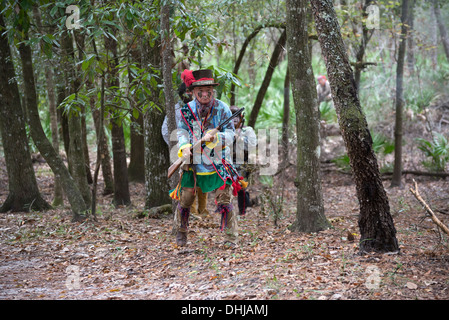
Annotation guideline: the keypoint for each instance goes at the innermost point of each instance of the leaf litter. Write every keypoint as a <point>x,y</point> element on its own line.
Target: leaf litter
<point>43,255</point>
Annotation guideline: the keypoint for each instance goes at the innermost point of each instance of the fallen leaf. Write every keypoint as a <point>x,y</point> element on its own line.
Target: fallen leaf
<point>411,285</point>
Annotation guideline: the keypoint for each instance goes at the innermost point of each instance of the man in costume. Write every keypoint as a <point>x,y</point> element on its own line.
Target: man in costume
<point>323,90</point>
<point>199,206</point>
<point>211,166</point>
<point>244,143</point>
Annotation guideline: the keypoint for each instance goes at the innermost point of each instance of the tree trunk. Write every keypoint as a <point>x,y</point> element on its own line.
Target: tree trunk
<point>23,190</point>
<point>252,70</point>
<point>366,36</point>
<point>121,185</point>
<point>443,32</point>
<point>85,146</point>
<point>375,222</point>
<point>100,136</point>
<point>157,158</point>
<point>310,208</point>
<point>76,157</point>
<point>49,77</point>
<point>102,144</point>
<point>79,40</point>
<point>267,79</point>
<point>397,170</point>
<point>64,122</point>
<point>170,113</point>
<point>156,161</point>
<point>410,39</point>
<point>286,118</point>
<point>433,31</point>
<point>41,141</point>
<point>106,167</point>
<point>136,167</point>
<point>166,64</point>
<point>58,193</point>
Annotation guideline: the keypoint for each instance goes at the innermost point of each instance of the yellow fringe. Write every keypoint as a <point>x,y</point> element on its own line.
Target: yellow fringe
<point>175,194</point>
<point>243,183</point>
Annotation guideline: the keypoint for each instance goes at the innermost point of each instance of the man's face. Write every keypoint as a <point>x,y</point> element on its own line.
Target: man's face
<point>204,94</point>
<point>236,121</point>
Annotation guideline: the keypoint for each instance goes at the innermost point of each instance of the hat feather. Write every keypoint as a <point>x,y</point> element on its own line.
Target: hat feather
<point>187,77</point>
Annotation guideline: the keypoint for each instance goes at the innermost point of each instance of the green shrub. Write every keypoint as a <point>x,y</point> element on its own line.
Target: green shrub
<point>437,150</point>
<point>381,144</point>
<point>327,112</point>
<point>342,162</point>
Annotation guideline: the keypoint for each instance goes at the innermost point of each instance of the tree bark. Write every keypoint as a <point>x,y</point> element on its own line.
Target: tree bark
<point>100,136</point>
<point>99,128</point>
<point>443,32</point>
<point>41,141</point>
<point>79,40</point>
<point>411,39</point>
<point>24,193</point>
<point>366,36</point>
<point>76,157</point>
<point>136,167</point>
<point>85,146</point>
<point>63,120</point>
<point>397,175</point>
<point>310,208</point>
<point>121,184</point>
<point>156,161</point>
<point>58,198</point>
<point>267,79</point>
<point>375,222</point>
<point>157,158</point>
<point>433,32</point>
<point>102,145</point>
<point>58,193</point>
<point>286,118</point>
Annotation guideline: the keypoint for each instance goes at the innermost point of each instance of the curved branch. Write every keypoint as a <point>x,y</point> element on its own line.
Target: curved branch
<point>432,215</point>
<point>243,50</point>
<point>266,81</point>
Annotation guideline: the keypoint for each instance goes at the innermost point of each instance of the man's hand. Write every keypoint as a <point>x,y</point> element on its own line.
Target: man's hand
<point>186,153</point>
<point>208,137</point>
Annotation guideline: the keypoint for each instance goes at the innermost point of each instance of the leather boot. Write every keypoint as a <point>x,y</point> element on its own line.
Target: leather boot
<point>181,237</point>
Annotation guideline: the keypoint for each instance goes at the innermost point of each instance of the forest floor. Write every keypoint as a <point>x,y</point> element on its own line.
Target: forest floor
<point>45,256</point>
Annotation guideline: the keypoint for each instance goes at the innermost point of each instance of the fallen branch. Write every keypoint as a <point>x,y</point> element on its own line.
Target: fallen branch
<point>428,209</point>
<point>422,173</point>
<point>362,65</point>
<point>156,212</point>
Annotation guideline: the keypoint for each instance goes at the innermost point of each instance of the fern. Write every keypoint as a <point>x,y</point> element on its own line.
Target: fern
<point>382,144</point>
<point>437,150</point>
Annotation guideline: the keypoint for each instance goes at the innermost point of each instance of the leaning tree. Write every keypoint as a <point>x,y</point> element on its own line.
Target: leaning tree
<point>375,221</point>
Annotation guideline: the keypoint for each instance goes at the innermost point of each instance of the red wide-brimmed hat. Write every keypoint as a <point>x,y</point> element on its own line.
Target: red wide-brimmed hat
<point>198,78</point>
